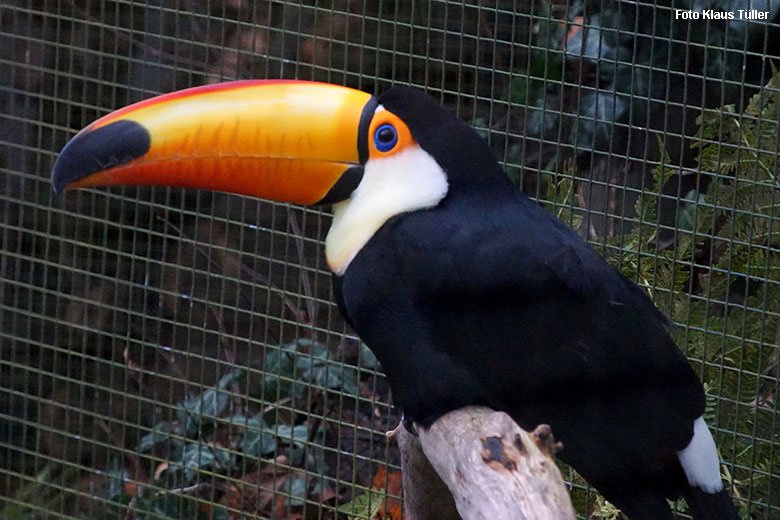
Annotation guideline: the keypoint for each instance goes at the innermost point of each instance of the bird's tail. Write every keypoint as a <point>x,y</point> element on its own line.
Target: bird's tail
<point>710,506</point>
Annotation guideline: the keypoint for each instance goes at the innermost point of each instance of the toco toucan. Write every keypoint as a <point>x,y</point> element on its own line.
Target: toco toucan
<point>466,290</point>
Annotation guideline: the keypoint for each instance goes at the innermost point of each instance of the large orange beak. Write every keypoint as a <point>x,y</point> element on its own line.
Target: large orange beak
<point>290,141</point>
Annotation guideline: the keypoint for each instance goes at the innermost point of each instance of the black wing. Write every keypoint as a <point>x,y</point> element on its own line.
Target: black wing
<point>498,303</point>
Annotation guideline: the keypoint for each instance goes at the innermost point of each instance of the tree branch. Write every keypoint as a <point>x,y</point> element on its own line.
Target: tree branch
<point>479,463</point>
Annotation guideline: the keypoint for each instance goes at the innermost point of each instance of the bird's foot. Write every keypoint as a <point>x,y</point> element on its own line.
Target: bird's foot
<point>409,425</point>
<point>393,434</point>
<point>406,424</point>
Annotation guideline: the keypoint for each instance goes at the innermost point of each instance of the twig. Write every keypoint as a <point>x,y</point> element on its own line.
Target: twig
<point>257,277</point>
<point>497,56</point>
<point>131,505</point>
<point>227,348</point>
<point>230,357</point>
<point>120,33</point>
<point>611,208</point>
<point>305,281</point>
<point>277,404</point>
<point>131,458</point>
<point>186,489</point>
<point>591,231</point>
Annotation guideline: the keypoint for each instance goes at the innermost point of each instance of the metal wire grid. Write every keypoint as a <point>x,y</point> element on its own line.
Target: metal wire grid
<point>121,308</point>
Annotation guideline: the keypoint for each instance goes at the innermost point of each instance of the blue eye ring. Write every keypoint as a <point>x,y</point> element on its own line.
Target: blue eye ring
<point>385,138</point>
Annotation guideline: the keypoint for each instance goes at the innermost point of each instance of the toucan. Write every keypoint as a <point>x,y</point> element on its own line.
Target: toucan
<point>467,291</point>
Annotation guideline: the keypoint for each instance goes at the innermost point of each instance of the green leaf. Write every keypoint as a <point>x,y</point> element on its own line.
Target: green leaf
<point>197,457</point>
<point>237,375</point>
<point>220,513</point>
<point>172,506</point>
<point>162,432</point>
<point>279,373</point>
<point>117,477</point>
<point>720,281</point>
<point>202,409</point>
<point>364,506</point>
<point>257,439</point>
<point>315,459</point>
<point>292,434</point>
<point>291,369</point>
<point>367,359</point>
<point>296,487</point>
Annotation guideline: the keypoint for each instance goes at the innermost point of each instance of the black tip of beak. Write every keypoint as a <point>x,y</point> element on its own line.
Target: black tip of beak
<point>93,151</point>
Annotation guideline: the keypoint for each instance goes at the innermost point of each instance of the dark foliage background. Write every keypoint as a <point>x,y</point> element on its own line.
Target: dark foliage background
<point>175,354</point>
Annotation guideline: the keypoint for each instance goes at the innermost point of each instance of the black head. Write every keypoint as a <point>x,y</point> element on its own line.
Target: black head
<point>457,148</point>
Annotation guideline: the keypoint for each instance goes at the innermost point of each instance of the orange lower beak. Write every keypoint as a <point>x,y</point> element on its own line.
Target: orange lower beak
<point>290,141</point>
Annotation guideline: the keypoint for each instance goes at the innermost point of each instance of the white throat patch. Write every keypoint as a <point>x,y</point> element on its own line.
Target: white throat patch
<point>405,181</point>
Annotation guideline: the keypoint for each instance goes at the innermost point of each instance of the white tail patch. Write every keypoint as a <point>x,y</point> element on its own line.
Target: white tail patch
<point>700,459</point>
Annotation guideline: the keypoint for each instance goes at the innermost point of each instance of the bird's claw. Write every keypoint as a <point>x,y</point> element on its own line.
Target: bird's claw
<point>409,425</point>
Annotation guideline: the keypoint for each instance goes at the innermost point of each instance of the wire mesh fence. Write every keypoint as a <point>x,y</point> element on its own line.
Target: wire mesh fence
<point>176,354</point>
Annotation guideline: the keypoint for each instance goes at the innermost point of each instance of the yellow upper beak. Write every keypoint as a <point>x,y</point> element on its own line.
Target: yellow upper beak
<point>291,141</point>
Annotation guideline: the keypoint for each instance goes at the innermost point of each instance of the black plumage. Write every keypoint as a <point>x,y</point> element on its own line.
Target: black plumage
<point>487,299</point>
<point>466,290</point>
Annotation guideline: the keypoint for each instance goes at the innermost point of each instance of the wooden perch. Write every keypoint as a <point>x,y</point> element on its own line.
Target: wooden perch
<point>479,463</point>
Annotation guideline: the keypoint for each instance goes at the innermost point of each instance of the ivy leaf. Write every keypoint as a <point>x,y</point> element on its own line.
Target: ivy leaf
<point>197,457</point>
<point>293,434</point>
<point>117,477</point>
<point>366,505</point>
<point>171,505</point>
<point>162,432</point>
<point>279,373</point>
<point>258,438</point>
<point>296,487</point>
<point>220,513</point>
<point>289,370</point>
<point>367,359</point>
<point>204,408</point>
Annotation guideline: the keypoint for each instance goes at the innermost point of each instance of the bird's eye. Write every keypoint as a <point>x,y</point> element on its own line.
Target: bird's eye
<point>385,138</point>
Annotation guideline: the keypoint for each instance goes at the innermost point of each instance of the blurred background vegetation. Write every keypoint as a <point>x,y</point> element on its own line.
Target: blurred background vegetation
<point>175,354</point>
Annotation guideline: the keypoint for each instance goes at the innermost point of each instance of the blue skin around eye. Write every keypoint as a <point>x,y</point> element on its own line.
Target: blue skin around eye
<point>385,146</point>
